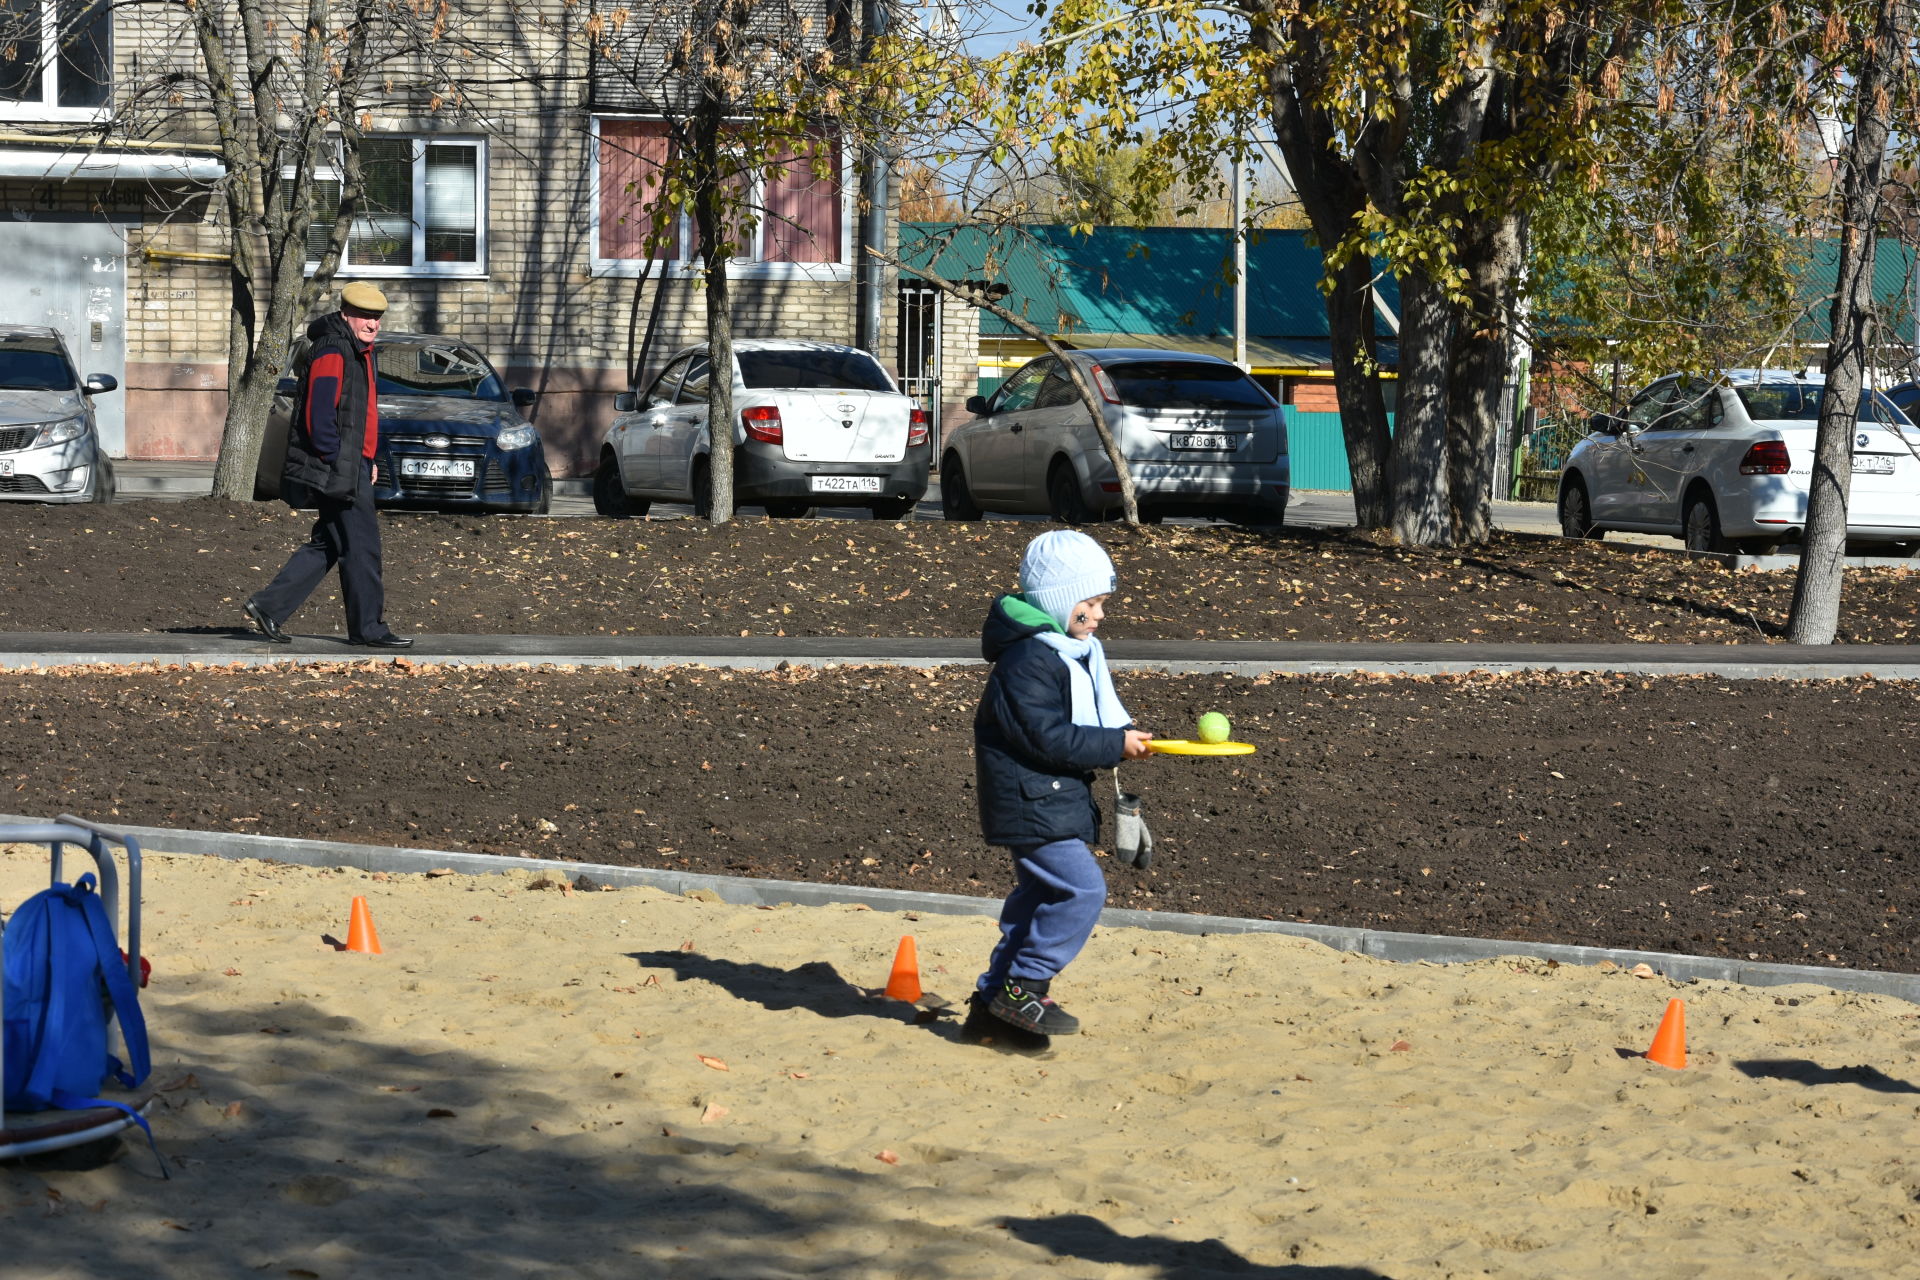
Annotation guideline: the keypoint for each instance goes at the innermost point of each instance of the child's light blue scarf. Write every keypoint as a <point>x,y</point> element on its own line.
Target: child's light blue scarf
<point>1094,699</point>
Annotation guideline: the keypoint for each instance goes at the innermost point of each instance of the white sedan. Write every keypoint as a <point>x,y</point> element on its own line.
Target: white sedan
<point>815,425</point>
<point>1725,465</point>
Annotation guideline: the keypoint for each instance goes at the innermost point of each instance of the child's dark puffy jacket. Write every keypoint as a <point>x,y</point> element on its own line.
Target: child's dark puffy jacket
<point>1034,765</point>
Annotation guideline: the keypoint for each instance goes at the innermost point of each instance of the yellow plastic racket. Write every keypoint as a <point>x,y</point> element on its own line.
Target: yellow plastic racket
<point>1182,747</point>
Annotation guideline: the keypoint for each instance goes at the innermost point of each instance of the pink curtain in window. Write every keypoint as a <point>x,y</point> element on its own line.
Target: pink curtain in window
<point>803,211</point>
<point>633,156</point>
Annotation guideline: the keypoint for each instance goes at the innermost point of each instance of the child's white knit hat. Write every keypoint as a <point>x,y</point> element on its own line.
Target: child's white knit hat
<point>1060,569</point>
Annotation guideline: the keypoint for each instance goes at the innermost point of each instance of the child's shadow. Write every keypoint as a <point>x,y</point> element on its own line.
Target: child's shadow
<point>815,986</point>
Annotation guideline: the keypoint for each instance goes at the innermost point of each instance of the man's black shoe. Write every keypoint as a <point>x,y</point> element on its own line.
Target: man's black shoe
<point>265,625</point>
<point>387,641</point>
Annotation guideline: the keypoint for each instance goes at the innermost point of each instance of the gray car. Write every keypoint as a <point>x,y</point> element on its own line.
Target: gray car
<point>49,447</point>
<point>1200,438</point>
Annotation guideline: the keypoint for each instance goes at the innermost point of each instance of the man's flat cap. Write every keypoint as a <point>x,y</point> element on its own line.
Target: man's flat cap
<point>362,296</point>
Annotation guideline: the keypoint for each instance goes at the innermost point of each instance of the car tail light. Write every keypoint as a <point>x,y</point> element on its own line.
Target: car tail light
<point>918,424</point>
<point>762,423</point>
<point>1104,385</point>
<point>1766,458</point>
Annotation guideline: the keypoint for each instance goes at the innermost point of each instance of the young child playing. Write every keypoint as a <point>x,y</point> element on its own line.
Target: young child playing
<point>1048,718</point>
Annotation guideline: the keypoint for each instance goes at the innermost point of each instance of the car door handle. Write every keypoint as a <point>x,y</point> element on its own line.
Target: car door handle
<point>1016,428</point>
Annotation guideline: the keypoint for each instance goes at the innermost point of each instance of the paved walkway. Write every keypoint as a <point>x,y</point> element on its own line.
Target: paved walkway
<point>217,645</point>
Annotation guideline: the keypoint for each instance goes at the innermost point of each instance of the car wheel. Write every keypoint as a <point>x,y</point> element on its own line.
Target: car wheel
<point>1261,515</point>
<point>610,495</point>
<point>103,483</point>
<point>956,500</point>
<point>892,508</point>
<point>702,490</point>
<point>1150,516</point>
<point>787,508</point>
<point>543,505</point>
<point>1576,513</point>
<point>1063,495</point>
<point>1700,525</point>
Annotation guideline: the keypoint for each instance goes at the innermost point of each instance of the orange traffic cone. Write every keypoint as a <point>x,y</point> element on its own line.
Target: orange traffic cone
<point>904,982</point>
<point>1670,1041</point>
<point>361,936</point>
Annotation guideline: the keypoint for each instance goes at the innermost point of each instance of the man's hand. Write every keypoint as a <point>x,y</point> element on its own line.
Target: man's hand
<point>1137,745</point>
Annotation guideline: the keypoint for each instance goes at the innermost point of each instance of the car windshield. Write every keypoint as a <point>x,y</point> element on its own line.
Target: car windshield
<point>34,364</point>
<point>435,369</point>
<point>1185,384</point>
<point>831,370</point>
<point>1800,401</point>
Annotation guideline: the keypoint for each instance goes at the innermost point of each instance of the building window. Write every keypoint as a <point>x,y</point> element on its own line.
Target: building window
<point>424,212</point>
<point>56,58</point>
<point>797,221</point>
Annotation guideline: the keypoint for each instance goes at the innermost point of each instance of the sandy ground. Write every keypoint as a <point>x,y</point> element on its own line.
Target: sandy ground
<point>539,1082</point>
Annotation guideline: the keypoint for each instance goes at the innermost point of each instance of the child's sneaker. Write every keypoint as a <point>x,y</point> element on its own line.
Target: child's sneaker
<point>1025,1003</point>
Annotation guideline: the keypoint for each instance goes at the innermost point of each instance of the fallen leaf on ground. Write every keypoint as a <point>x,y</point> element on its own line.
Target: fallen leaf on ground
<point>886,1157</point>
<point>715,1063</point>
<point>713,1114</point>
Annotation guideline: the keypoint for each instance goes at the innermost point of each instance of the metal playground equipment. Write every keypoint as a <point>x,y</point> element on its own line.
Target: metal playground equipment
<point>33,1133</point>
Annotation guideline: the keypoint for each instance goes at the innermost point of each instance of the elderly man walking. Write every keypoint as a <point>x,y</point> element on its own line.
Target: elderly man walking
<point>330,449</point>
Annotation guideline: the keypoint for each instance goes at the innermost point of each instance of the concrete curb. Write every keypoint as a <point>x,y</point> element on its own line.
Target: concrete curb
<point>1232,657</point>
<point>1400,948</point>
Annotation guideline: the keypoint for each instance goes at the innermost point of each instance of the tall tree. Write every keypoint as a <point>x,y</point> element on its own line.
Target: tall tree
<point>1882,72</point>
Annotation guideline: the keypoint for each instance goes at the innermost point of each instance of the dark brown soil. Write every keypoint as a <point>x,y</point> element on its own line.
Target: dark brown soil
<point>188,565</point>
<point>1770,820</point>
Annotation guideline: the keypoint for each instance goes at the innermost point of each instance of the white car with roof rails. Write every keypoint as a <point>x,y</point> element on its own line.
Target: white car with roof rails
<point>815,425</point>
<point>1724,465</point>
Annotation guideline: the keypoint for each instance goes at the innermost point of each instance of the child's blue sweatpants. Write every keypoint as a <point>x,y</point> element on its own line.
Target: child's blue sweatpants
<point>1050,914</point>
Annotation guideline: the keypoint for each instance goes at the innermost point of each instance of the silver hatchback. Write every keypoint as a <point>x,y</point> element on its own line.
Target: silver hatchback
<point>1200,438</point>
<point>49,448</point>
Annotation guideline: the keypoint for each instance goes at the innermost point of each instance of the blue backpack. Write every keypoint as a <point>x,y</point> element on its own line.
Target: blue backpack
<point>62,967</point>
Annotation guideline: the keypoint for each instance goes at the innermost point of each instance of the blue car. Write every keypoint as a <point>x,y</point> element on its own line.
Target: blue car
<point>451,437</point>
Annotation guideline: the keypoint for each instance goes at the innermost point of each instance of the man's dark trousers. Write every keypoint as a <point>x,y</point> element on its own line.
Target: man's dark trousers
<point>346,534</point>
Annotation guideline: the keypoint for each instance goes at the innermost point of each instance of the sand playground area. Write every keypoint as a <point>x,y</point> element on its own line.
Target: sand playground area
<point>533,1081</point>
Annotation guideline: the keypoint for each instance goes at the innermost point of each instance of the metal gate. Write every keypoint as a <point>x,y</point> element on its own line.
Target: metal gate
<point>920,313</point>
<point>71,273</point>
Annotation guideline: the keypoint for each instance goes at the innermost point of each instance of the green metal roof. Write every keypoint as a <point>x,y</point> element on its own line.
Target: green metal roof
<point>1893,267</point>
<point>1173,282</point>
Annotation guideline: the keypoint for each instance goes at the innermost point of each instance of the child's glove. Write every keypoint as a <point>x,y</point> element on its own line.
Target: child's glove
<point>1133,843</point>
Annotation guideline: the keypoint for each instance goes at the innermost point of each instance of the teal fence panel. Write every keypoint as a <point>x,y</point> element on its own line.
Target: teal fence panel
<point>1317,451</point>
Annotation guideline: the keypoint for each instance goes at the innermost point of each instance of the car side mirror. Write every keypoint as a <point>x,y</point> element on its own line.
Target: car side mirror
<point>286,386</point>
<point>976,404</point>
<point>523,397</point>
<point>1605,424</point>
<point>625,402</point>
<point>100,382</point>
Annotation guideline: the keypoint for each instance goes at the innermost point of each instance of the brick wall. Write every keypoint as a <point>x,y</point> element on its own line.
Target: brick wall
<point>540,312</point>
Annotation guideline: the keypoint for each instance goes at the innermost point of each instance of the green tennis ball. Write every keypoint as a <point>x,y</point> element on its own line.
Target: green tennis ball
<point>1213,727</point>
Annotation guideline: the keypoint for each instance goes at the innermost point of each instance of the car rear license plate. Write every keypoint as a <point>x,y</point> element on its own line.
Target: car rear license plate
<point>455,468</point>
<point>845,484</point>
<point>1872,464</point>
<point>1220,443</point>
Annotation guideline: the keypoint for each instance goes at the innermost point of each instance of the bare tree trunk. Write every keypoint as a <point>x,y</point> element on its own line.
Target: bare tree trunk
<point>1483,356</point>
<point>1815,616</point>
<point>1417,468</point>
<point>1356,380</point>
<point>709,223</point>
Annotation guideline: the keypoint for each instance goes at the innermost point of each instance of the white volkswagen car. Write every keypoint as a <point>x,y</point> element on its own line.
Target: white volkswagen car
<point>1725,465</point>
<point>815,425</point>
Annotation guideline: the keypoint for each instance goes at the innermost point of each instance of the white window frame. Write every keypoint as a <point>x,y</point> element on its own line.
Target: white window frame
<point>420,267</point>
<point>737,268</point>
<point>45,109</point>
